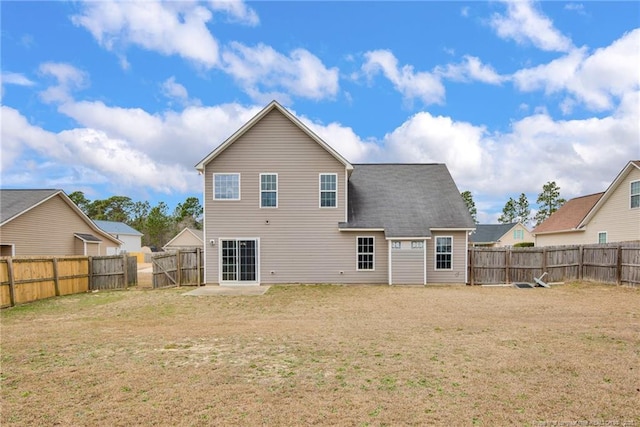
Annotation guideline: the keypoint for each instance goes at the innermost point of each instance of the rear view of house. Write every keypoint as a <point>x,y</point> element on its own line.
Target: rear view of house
<point>282,206</point>
<point>47,222</point>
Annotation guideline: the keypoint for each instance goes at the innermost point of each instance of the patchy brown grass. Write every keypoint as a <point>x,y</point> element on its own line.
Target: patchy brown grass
<point>326,355</point>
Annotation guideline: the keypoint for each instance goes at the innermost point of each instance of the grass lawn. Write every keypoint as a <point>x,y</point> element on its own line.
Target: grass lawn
<point>326,355</point>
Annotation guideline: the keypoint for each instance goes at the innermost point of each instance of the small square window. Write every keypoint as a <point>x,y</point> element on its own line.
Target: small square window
<point>602,237</point>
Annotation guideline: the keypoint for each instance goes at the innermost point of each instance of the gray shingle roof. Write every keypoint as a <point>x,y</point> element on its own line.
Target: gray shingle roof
<point>15,202</point>
<point>407,200</point>
<point>115,227</point>
<point>489,233</point>
<point>87,237</point>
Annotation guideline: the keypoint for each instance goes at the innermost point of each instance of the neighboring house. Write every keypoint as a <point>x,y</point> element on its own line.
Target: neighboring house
<point>188,238</point>
<point>611,216</point>
<point>499,235</point>
<point>48,223</point>
<point>282,206</point>
<point>130,237</point>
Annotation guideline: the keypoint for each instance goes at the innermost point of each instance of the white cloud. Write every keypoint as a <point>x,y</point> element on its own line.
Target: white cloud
<point>470,69</point>
<point>68,78</point>
<point>595,80</point>
<point>261,69</point>
<point>424,138</point>
<point>177,92</point>
<point>412,85</point>
<point>524,24</point>
<point>237,10</point>
<point>171,28</point>
<point>15,79</point>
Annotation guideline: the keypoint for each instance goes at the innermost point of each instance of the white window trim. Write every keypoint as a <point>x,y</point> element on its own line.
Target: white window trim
<point>277,192</point>
<point>606,236</point>
<point>631,194</point>
<point>373,253</point>
<point>239,186</point>
<point>435,253</point>
<point>320,190</point>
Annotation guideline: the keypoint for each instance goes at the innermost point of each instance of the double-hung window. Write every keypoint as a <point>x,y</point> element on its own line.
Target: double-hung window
<point>328,190</point>
<point>444,253</point>
<point>635,194</point>
<point>366,253</point>
<point>268,190</point>
<point>518,234</point>
<point>226,186</point>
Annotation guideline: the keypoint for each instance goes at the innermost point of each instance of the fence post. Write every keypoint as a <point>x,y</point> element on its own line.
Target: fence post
<point>507,264</point>
<point>544,260</point>
<point>580,262</point>
<point>472,260</point>
<point>12,282</point>
<point>619,266</point>
<point>90,272</point>
<point>178,268</point>
<point>56,280</point>
<point>125,270</point>
<point>198,266</point>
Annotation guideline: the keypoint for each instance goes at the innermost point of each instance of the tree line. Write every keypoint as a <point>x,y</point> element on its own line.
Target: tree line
<point>156,223</point>
<point>519,210</point>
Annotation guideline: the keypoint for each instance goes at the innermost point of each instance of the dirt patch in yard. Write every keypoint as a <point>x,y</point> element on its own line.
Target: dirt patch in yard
<point>326,355</point>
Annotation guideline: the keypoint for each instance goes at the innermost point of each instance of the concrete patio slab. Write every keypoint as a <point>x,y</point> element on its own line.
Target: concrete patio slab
<point>228,290</point>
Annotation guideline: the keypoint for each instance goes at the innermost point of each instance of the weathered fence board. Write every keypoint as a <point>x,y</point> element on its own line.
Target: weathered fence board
<point>608,263</point>
<point>183,267</point>
<point>26,279</point>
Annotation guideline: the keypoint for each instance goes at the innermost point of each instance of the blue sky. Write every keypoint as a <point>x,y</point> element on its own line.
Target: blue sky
<point>124,98</point>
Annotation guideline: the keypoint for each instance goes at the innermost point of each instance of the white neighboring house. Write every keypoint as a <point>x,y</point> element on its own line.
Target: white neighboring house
<point>130,237</point>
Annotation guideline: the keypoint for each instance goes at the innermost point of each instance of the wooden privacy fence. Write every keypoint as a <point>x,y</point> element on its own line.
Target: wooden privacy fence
<point>26,279</point>
<point>608,263</point>
<point>183,267</point>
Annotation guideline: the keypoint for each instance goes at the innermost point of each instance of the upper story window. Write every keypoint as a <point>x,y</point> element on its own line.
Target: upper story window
<point>268,190</point>
<point>602,237</point>
<point>444,253</point>
<point>226,186</point>
<point>635,194</point>
<point>518,234</point>
<point>366,253</point>
<point>328,190</point>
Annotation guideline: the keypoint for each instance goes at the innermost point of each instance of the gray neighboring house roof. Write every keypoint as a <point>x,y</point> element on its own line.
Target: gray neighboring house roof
<point>15,202</point>
<point>490,233</point>
<point>115,227</point>
<point>406,200</point>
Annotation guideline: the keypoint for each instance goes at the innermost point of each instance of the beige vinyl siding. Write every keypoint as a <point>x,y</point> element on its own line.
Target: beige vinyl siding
<point>615,216</point>
<point>407,264</point>
<point>185,240</point>
<point>458,272</point>
<point>48,229</point>
<point>508,240</point>
<point>299,241</point>
<point>559,239</point>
